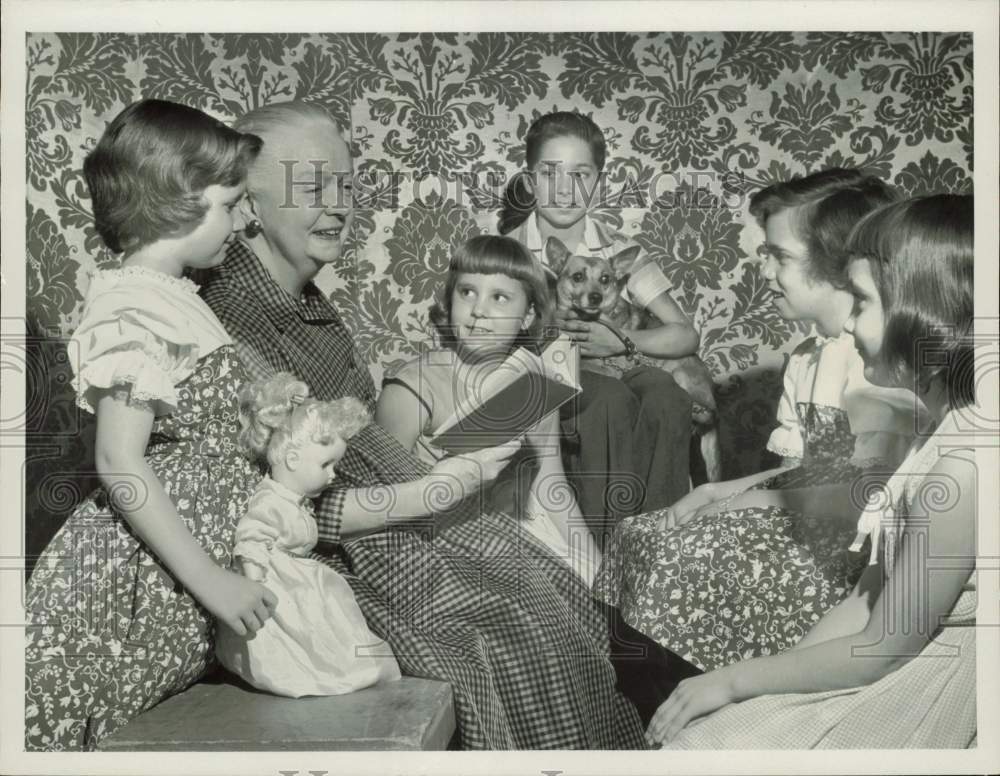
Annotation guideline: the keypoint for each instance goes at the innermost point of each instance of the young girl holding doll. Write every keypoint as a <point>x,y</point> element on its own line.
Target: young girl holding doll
<point>640,424</point>
<point>121,605</point>
<point>894,664</point>
<point>495,299</point>
<point>315,640</point>
<point>746,567</point>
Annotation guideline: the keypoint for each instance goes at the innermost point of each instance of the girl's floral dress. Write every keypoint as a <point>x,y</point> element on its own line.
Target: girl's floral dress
<point>747,582</point>
<point>110,632</point>
<point>929,702</point>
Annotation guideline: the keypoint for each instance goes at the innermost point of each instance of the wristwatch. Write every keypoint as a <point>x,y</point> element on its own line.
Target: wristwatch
<point>630,349</point>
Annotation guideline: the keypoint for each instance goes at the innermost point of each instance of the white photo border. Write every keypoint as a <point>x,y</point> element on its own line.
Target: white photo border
<point>20,17</point>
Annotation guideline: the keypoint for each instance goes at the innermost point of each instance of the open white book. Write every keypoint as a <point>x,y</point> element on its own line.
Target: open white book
<point>513,398</point>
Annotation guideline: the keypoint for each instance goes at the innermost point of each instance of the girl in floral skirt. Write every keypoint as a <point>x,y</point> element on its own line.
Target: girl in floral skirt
<point>746,567</point>
<point>120,606</point>
<point>894,664</point>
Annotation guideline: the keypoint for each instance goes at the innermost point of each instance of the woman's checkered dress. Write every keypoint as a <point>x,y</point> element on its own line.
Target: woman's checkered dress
<point>467,596</point>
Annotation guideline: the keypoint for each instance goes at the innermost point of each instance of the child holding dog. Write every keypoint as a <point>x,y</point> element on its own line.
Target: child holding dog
<point>627,438</point>
<point>494,300</point>
<point>764,557</point>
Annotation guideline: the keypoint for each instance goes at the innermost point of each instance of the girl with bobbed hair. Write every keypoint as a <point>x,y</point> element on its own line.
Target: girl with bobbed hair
<point>159,371</point>
<point>894,664</point>
<point>922,290</point>
<point>148,172</point>
<point>746,567</point>
<point>492,255</point>
<point>317,641</point>
<point>494,300</point>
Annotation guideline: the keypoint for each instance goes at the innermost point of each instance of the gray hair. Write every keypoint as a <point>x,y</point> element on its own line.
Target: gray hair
<point>268,121</point>
<point>267,118</point>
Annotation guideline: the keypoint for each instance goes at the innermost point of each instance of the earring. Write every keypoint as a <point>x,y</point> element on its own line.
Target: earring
<point>253,228</point>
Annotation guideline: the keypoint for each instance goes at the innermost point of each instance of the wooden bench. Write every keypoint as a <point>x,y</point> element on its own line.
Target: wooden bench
<point>221,714</point>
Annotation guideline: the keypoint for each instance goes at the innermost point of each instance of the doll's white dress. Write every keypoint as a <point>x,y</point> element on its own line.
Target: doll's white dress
<point>317,641</point>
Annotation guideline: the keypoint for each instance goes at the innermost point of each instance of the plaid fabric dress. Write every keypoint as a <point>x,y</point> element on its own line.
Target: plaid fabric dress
<point>464,596</point>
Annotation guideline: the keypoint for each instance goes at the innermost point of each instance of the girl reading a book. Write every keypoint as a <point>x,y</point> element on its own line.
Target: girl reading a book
<point>494,300</point>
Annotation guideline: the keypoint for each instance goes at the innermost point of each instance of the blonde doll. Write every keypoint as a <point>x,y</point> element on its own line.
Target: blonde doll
<point>317,642</point>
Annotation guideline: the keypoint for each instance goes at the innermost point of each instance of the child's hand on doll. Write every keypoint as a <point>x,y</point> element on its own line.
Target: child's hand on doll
<point>459,476</point>
<point>240,603</point>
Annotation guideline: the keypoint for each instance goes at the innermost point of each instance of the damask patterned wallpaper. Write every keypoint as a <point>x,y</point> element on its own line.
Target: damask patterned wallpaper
<point>695,123</point>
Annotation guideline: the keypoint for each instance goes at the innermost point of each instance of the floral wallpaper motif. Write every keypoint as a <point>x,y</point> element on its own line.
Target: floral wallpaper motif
<point>695,123</point>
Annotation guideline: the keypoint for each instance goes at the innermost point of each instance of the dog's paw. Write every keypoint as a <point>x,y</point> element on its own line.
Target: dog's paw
<point>702,415</point>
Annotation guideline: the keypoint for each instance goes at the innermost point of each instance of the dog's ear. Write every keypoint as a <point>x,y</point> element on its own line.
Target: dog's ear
<point>622,261</point>
<point>556,253</point>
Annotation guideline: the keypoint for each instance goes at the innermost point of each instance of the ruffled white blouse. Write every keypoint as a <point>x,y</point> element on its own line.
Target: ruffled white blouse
<point>829,372</point>
<point>141,328</point>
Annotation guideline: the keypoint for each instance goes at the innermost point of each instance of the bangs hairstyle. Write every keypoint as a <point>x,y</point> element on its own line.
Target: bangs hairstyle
<point>921,257</point>
<point>149,171</point>
<point>828,205</point>
<point>269,121</point>
<point>277,415</point>
<point>519,200</point>
<point>487,254</point>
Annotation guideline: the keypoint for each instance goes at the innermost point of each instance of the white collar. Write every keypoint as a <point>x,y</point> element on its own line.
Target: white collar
<point>592,236</point>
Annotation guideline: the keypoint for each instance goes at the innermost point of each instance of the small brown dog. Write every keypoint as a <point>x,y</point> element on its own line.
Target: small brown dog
<point>590,287</point>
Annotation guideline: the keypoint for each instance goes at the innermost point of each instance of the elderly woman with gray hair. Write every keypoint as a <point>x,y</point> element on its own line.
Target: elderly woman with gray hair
<point>458,591</point>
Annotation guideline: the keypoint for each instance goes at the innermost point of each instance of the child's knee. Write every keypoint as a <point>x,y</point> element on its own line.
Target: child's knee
<point>658,390</point>
<point>610,396</point>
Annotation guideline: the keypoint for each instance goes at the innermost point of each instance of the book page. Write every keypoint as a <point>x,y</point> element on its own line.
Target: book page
<point>561,360</point>
<point>518,363</point>
<point>522,391</point>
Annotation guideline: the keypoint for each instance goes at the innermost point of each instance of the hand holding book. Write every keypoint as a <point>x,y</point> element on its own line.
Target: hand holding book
<point>517,395</point>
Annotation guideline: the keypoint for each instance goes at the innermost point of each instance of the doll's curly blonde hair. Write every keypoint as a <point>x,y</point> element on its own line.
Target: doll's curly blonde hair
<point>276,414</point>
